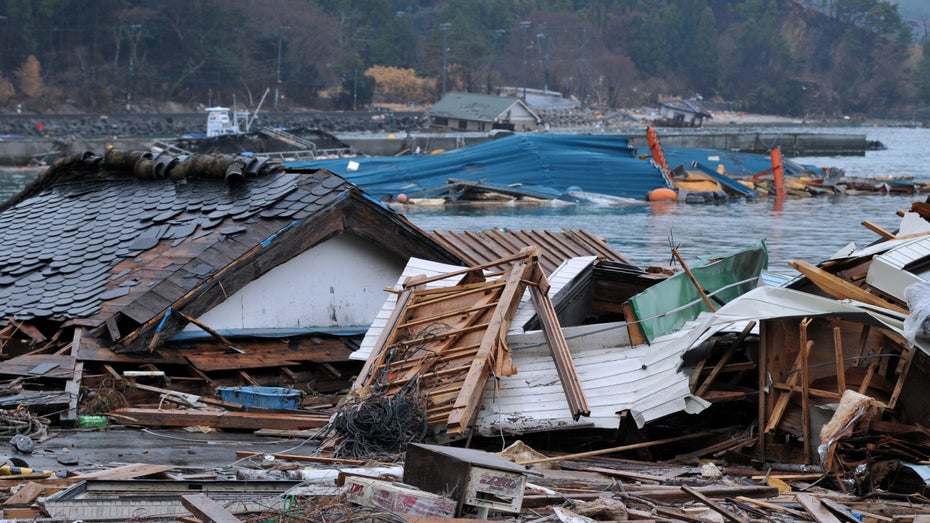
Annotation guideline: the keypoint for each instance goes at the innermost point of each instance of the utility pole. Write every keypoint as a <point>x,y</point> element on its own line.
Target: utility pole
<point>584,57</point>
<point>499,51</point>
<point>2,18</point>
<point>544,56</point>
<point>525,25</point>
<point>277,74</point>
<point>134,31</point>
<point>444,27</point>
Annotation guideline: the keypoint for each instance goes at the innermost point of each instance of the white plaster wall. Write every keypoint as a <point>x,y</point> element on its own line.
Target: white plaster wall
<point>337,283</point>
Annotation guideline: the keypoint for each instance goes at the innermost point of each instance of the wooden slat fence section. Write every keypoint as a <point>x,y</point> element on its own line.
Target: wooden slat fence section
<point>491,356</point>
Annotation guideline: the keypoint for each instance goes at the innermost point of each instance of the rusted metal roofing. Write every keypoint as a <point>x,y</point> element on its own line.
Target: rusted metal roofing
<point>476,248</point>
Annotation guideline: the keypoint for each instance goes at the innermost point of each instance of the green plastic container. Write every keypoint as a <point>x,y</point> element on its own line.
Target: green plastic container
<point>92,422</point>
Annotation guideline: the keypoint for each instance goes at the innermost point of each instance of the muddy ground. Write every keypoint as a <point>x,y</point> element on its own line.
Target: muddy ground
<point>77,451</point>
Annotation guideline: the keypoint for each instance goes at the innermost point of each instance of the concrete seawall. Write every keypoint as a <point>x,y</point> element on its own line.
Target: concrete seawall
<point>792,143</point>
<point>25,151</point>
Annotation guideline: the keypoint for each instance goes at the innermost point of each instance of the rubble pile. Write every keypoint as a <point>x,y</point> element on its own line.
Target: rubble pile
<point>498,375</point>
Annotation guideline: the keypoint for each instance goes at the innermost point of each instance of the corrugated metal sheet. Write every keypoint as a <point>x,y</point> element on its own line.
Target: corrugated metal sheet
<point>645,380</point>
<point>888,272</point>
<point>777,302</point>
<point>477,248</point>
<point>544,163</point>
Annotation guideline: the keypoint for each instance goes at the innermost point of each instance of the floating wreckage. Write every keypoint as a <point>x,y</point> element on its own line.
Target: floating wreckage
<point>535,169</point>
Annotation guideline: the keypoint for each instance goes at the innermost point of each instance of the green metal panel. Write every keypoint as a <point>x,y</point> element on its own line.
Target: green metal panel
<point>666,306</point>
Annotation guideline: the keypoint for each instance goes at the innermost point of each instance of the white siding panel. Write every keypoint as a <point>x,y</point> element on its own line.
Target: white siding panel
<point>886,272</point>
<point>313,289</point>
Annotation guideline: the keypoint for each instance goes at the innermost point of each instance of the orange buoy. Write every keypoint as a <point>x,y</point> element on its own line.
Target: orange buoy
<point>402,198</point>
<point>662,194</point>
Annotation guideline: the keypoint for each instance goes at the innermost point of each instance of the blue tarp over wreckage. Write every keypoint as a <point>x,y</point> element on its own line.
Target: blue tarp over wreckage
<point>542,166</point>
<point>546,166</point>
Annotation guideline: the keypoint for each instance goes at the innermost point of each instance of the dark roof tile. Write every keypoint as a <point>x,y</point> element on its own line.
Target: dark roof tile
<point>115,293</point>
<point>59,243</point>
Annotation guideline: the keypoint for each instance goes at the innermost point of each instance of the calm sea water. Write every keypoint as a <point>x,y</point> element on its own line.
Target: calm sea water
<point>809,228</point>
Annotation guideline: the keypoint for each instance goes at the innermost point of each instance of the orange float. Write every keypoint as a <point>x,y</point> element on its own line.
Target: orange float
<point>662,194</point>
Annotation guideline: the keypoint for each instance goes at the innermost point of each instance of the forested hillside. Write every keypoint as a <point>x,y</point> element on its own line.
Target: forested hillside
<point>805,58</point>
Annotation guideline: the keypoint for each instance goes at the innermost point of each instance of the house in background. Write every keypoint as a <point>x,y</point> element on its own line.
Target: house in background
<point>682,113</point>
<point>482,112</point>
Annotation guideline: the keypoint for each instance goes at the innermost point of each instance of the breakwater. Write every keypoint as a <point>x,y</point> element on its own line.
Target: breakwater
<point>32,139</point>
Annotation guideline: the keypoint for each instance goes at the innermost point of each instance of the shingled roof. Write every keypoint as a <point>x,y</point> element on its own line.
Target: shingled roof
<point>121,240</point>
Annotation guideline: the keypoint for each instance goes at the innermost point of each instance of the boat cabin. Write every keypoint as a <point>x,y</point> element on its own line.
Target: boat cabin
<point>221,120</point>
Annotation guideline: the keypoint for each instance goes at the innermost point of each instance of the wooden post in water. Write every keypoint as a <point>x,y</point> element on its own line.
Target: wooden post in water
<point>778,169</point>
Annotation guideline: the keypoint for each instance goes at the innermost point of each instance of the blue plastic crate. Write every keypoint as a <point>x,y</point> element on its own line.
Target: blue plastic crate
<point>262,397</point>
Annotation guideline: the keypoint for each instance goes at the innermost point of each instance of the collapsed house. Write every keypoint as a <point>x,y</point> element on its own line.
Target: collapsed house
<point>488,353</point>
<point>201,271</point>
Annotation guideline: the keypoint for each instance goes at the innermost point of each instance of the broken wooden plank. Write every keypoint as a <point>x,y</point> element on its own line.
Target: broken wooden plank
<point>637,336</point>
<point>840,364</point>
<point>782,402</point>
<point>298,457</point>
<point>130,471</point>
<point>628,474</point>
<point>805,391</point>
<point>772,506</point>
<point>558,347</point>
<point>26,495</point>
<point>58,366</point>
<point>722,364</point>
<point>676,495</point>
<point>694,281</point>
<point>218,419</point>
<point>840,288</point>
<point>886,235</point>
<point>613,450</point>
<point>73,390</point>
<point>378,354</point>
<point>815,509</point>
<point>207,510</point>
<point>206,328</point>
<point>840,511</point>
<point>716,507</point>
<point>29,330</point>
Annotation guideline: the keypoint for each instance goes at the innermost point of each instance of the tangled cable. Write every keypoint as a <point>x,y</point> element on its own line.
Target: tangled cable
<point>21,421</point>
<point>380,425</point>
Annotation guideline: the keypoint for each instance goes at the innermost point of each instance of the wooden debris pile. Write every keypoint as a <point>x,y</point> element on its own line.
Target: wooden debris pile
<point>431,366</point>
